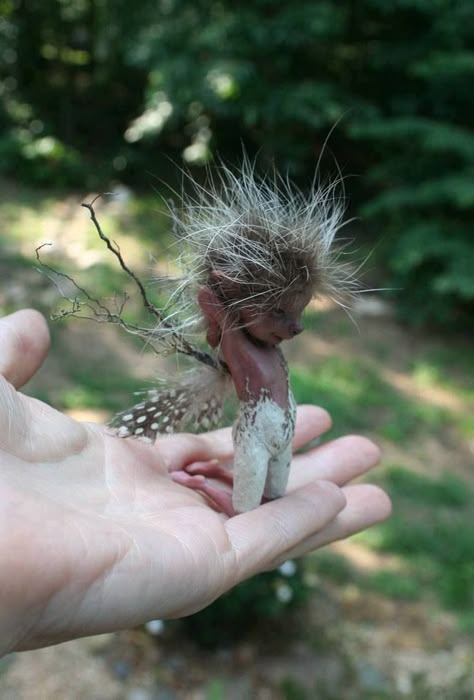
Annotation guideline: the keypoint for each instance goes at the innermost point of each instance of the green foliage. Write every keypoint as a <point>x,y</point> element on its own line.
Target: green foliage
<point>92,90</point>
<point>279,77</point>
<point>40,160</point>
<point>65,92</point>
<point>394,585</point>
<point>400,585</point>
<point>215,691</point>
<point>247,607</point>
<point>333,566</point>
<point>109,390</point>
<point>292,689</point>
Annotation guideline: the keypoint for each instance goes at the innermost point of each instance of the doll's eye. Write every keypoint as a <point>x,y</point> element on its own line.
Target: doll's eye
<point>279,313</point>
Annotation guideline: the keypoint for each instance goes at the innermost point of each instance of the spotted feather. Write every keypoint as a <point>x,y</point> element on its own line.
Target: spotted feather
<point>195,403</point>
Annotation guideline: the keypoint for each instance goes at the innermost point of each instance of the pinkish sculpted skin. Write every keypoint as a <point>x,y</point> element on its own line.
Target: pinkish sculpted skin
<point>255,251</point>
<point>248,343</point>
<point>255,364</point>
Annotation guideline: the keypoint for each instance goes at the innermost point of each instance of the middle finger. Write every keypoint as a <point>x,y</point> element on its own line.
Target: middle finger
<point>339,461</point>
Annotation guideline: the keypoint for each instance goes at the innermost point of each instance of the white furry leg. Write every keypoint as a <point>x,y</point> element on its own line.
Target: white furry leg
<point>262,441</point>
<point>250,473</point>
<point>278,473</point>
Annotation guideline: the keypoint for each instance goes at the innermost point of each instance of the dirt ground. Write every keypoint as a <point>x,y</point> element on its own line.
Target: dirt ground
<point>371,647</point>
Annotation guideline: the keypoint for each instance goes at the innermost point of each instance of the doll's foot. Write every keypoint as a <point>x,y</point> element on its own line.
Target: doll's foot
<point>211,469</point>
<point>196,476</point>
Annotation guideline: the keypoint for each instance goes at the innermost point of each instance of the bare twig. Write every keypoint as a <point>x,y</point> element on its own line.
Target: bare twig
<point>76,302</point>
<point>102,314</point>
<point>114,248</point>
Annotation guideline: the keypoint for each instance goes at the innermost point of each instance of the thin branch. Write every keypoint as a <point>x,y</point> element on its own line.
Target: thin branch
<point>114,248</point>
<point>83,291</point>
<point>165,334</point>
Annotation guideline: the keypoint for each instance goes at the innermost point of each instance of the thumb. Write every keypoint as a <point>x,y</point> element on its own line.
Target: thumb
<point>24,342</point>
<point>261,537</point>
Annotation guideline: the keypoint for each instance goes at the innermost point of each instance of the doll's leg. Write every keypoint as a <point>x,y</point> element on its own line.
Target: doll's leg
<point>250,472</point>
<point>278,473</point>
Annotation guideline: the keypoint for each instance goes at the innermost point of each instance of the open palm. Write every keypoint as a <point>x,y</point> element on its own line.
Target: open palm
<point>96,536</point>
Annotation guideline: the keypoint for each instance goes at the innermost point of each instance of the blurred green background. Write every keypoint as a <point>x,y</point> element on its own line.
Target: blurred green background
<point>101,96</point>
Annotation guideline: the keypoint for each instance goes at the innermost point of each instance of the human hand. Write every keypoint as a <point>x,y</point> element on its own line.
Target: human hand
<point>95,535</point>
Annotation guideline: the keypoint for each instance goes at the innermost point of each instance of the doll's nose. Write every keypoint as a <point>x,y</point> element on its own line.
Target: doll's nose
<point>296,328</point>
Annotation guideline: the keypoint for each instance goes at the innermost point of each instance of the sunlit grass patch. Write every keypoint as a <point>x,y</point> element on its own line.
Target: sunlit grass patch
<point>450,367</point>
<point>31,218</point>
<point>22,210</point>
<point>435,536</point>
<point>431,535</point>
<point>442,553</point>
<point>215,690</point>
<point>392,584</point>
<point>446,490</point>
<point>358,399</point>
<point>100,281</point>
<point>400,585</point>
<point>331,565</point>
<point>319,322</point>
<point>148,219</point>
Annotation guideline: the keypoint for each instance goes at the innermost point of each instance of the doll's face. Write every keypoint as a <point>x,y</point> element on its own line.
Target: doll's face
<point>281,322</point>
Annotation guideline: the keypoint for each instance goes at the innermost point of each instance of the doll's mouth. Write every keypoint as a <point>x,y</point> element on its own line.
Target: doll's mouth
<point>270,341</point>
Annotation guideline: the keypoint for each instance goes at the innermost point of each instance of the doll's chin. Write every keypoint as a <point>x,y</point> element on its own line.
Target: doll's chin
<point>271,339</point>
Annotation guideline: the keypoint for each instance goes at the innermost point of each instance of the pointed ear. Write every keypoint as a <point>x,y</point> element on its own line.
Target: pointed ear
<point>210,305</point>
<point>224,286</point>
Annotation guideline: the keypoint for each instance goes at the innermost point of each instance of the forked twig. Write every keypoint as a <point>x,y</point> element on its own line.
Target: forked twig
<point>101,313</point>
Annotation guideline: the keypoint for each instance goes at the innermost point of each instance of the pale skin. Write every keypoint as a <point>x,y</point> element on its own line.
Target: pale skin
<point>95,536</point>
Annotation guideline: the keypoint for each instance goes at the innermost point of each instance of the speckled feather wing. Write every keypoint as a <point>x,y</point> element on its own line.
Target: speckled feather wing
<point>195,404</point>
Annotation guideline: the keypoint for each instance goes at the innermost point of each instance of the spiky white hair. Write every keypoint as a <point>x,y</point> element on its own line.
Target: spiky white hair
<point>264,236</point>
<point>261,238</point>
